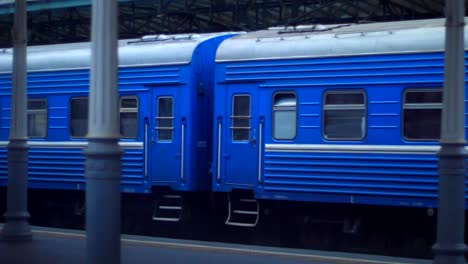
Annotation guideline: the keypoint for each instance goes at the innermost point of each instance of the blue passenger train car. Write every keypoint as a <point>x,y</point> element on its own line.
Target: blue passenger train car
<point>346,113</point>
<point>165,85</point>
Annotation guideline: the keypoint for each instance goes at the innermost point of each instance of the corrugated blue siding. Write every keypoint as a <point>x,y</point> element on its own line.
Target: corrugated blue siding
<point>376,69</point>
<point>383,77</point>
<point>63,168</point>
<point>73,81</point>
<point>58,168</point>
<point>393,178</point>
<point>375,178</point>
<point>56,165</point>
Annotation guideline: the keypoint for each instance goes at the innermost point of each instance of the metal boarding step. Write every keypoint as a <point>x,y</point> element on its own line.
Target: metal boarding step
<point>243,212</point>
<point>168,208</point>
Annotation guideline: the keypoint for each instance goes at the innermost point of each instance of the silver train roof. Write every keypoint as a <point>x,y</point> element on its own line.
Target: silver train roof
<point>149,50</point>
<point>336,40</point>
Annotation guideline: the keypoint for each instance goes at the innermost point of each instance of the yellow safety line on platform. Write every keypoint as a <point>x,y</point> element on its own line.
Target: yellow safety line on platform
<point>335,260</point>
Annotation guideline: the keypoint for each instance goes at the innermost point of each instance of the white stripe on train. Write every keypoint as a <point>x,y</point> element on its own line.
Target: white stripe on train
<point>72,144</point>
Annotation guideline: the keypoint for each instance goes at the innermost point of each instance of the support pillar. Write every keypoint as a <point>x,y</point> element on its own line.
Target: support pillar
<point>450,247</point>
<point>103,165</point>
<point>16,218</point>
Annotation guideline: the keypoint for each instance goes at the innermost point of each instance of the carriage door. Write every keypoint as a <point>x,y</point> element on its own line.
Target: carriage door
<point>242,138</point>
<point>166,141</point>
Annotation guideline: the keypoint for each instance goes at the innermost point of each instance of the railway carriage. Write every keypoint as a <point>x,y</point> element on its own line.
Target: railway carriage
<point>346,113</point>
<point>327,115</point>
<point>165,86</point>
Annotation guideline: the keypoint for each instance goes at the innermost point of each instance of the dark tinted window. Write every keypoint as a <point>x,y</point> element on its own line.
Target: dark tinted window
<point>241,117</point>
<point>129,117</point>
<point>344,115</point>
<point>37,118</point>
<point>415,97</point>
<point>422,114</point>
<point>37,104</point>
<point>79,117</point>
<point>165,118</point>
<point>333,98</point>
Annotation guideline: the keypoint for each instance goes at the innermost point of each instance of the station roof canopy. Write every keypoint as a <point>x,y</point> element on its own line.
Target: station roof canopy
<point>7,6</point>
<point>59,21</point>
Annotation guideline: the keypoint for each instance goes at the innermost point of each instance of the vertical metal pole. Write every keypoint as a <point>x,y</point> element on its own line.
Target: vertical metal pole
<point>450,246</point>
<point>17,226</point>
<point>103,165</point>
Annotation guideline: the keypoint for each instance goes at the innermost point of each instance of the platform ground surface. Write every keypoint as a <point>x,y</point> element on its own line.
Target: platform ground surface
<point>68,246</point>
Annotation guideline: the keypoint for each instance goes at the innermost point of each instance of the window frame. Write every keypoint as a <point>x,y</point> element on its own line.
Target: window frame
<point>402,115</point>
<point>354,107</point>
<point>172,118</point>
<point>249,117</point>
<point>273,114</point>
<point>46,110</point>
<point>136,110</point>
<point>70,116</point>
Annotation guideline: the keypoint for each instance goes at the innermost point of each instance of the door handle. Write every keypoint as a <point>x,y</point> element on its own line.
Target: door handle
<point>182,150</point>
<point>261,122</point>
<point>253,141</point>
<point>145,146</point>
<point>218,160</point>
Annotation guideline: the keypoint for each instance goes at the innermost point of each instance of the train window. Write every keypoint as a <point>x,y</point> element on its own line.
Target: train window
<point>165,118</point>
<point>422,113</point>
<point>129,117</point>
<point>284,116</point>
<point>79,117</point>
<point>241,118</point>
<point>37,118</point>
<point>344,115</point>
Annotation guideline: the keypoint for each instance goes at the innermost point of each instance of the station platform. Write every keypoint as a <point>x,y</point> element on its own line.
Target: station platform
<point>50,245</point>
